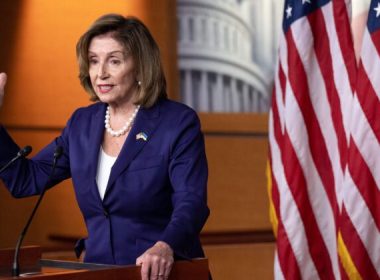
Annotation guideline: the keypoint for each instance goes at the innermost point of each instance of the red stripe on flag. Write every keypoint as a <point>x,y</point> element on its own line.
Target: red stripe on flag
<point>345,39</point>
<point>364,181</point>
<point>286,256</point>
<point>323,53</point>
<point>298,81</point>
<point>369,101</point>
<point>356,248</point>
<point>375,36</point>
<point>282,79</point>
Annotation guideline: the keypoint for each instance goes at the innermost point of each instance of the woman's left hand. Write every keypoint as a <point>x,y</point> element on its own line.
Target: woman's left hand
<point>156,263</point>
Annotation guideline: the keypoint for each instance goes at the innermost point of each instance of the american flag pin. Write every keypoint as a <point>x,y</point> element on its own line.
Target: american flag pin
<point>142,135</point>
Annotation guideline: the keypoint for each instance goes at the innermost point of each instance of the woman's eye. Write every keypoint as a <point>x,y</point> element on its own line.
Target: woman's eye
<point>93,61</point>
<point>115,61</point>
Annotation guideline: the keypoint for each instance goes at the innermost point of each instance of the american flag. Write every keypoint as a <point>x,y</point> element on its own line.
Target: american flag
<point>359,234</point>
<point>308,136</point>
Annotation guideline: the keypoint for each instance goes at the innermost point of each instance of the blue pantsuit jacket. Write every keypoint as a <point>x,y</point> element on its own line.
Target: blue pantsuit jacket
<point>156,190</point>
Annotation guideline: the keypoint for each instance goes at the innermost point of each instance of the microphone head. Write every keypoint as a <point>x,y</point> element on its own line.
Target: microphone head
<point>24,151</point>
<point>58,152</point>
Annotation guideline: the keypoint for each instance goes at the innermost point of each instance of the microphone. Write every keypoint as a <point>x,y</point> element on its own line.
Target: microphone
<point>21,154</point>
<point>16,267</point>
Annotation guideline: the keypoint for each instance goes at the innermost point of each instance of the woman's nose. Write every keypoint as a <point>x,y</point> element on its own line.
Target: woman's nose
<point>102,71</point>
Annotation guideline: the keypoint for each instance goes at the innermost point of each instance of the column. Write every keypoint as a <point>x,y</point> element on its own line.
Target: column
<point>191,23</point>
<point>217,95</point>
<point>246,100</point>
<point>263,103</point>
<point>210,32</point>
<point>203,93</point>
<point>198,30</point>
<point>185,29</point>
<point>204,32</point>
<point>226,38</point>
<point>235,96</point>
<point>216,34</point>
<point>227,94</point>
<point>234,41</point>
<point>188,89</point>
<point>255,101</point>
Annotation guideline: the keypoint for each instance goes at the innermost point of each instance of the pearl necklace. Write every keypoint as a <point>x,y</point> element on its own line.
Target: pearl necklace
<point>125,128</point>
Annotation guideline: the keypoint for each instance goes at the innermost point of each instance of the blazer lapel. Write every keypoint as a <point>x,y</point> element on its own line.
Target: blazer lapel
<point>145,124</point>
<point>97,134</point>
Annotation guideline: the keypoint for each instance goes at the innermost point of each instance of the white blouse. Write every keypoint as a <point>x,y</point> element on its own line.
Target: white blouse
<point>105,164</point>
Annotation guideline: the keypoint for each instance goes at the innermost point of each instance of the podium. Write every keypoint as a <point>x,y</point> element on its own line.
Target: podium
<point>32,266</point>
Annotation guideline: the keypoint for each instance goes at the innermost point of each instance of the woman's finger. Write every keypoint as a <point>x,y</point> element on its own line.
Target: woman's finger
<point>145,270</point>
<point>156,271</point>
<point>167,269</point>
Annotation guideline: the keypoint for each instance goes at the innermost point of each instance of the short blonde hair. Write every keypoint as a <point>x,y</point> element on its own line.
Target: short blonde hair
<point>137,40</point>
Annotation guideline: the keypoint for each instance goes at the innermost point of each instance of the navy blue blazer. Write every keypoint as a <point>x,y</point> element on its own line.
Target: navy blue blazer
<point>157,188</point>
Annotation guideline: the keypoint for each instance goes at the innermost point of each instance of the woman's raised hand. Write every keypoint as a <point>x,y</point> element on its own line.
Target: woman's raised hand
<point>3,81</point>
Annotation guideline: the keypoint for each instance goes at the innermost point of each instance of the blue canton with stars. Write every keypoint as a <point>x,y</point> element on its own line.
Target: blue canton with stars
<point>295,9</point>
<point>373,22</point>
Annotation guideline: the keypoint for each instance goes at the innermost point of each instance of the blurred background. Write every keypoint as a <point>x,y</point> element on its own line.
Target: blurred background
<point>227,53</point>
<point>219,58</point>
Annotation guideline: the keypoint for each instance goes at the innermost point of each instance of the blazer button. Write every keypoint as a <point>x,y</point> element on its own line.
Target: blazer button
<point>105,212</point>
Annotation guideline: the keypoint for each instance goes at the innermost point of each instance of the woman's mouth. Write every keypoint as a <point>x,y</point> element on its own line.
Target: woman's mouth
<point>105,88</point>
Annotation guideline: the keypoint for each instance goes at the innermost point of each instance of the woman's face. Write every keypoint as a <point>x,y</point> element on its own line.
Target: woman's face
<point>112,70</point>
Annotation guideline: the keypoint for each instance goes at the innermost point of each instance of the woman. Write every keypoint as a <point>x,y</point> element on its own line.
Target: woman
<point>137,159</point>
